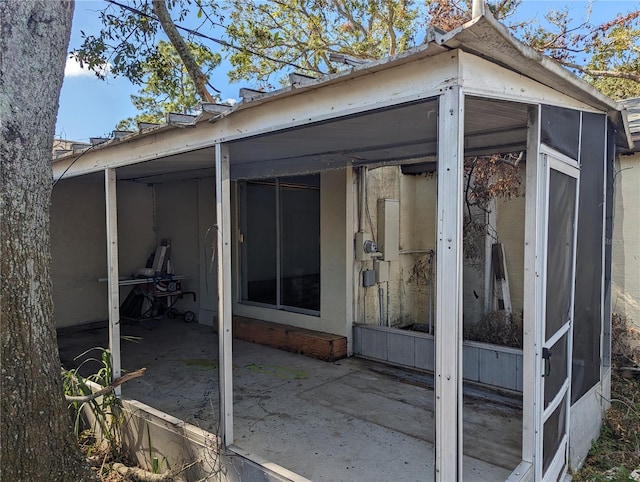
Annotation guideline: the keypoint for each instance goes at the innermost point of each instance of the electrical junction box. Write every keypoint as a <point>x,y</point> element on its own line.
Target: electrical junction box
<point>381,269</point>
<point>389,228</point>
<point>368,278</point>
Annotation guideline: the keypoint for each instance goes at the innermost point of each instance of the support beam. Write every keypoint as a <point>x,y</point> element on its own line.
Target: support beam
<point>533,289</point>
<point>448,334</point>
<point>223,220</point>
<point>112,272</point>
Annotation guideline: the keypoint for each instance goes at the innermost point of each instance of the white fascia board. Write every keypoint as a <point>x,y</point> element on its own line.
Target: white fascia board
<point>422,78</point>
<point>486,37</point>
<point>481,78</point>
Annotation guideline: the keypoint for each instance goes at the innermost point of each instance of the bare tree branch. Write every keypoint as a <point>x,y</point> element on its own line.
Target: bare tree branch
<point>107,389</point>
<point>603,73</point>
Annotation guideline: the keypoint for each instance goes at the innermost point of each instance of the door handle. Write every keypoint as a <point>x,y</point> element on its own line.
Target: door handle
<point>546,356</point>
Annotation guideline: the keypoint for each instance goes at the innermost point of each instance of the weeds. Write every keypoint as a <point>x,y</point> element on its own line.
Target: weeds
<point>497,327</point>
<point>616,453</point>
<point>105,413</point>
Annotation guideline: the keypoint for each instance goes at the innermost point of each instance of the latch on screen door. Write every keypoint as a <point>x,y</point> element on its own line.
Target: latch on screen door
<point>546,356</point>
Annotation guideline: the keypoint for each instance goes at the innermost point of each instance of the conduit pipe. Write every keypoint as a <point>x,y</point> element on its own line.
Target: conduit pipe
<point>362,190</point>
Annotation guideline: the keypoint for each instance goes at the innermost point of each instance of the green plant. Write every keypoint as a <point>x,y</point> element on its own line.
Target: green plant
<point>95,420</point>
<point>156,464</point>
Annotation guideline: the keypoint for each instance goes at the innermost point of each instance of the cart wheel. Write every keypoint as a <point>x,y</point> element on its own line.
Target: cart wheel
<point>171,314</point>
<point>189,316</point>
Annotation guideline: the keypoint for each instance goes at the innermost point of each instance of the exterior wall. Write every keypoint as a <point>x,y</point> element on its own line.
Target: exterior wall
<point>408,287</point>
<point>407,292</point>
<point>79,245</point>
<point>510,227</point>
<point>625,275</point>
<point>78,251</point>
<point>207,238</point>
<point>336,245</point>
<point>177,219</point>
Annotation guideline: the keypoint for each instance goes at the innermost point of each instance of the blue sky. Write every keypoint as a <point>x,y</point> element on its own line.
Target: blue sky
<point>90,107</point>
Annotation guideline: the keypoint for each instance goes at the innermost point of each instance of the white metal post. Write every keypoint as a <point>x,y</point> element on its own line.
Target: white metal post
<point>223,220</point>
<point>533,289</point>
<point>112,272</point>
<point>448,331</point>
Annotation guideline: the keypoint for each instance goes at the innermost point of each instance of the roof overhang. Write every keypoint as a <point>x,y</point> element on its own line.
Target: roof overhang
<point>377,112</point>
<point>486,37</point>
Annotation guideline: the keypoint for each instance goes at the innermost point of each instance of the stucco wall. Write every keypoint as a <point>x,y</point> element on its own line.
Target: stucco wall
<point>79,246</point>
<point>510,229</point>
<point>625,274</point>
<point>408,298</point>
<point>177,220</point>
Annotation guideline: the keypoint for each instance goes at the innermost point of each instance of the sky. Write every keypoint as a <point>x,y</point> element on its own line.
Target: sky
<point>90,107</point>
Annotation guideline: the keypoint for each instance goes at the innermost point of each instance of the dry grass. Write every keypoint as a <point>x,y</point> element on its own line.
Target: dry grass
<point>617,452</point>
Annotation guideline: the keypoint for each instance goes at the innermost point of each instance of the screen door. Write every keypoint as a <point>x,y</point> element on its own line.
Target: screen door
<point>557,330</point>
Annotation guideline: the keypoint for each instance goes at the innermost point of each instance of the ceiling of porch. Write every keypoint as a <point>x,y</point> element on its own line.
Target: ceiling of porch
<point>402,134</point>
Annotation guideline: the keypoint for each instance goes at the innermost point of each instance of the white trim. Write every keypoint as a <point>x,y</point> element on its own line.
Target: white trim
<point>553,160</point>
<point>522,473</point>
<point>557,400</point>
<point>223,219</point>
<point>561,161</point>
<point>559,334</point>
<point>111,203</point>
<point>605,165</point>
<point>448,338</point>
<point>532,303</point>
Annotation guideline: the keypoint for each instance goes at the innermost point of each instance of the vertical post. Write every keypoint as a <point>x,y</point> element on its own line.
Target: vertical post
<point>533,290</point>
<point>112,272</point>
<point>223,220</point>
<point>448,337</point>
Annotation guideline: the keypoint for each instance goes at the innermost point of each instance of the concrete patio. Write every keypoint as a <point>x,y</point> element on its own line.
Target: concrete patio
<point>349,420</point>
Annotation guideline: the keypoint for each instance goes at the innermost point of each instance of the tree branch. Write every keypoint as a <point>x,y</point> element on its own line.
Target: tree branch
<point>107,389</point>
<point>199,79</point>
<point>603,73</point>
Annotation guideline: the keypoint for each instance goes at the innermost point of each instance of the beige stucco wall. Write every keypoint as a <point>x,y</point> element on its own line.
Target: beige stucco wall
<point>625,282</point>
<point>405,297</point>
<point>177,219</point>
<point>408,300</point>
<point>79,246</point>
<point>510,231</point>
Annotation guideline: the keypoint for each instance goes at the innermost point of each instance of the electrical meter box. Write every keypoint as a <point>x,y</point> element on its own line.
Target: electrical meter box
<point>389,228</point>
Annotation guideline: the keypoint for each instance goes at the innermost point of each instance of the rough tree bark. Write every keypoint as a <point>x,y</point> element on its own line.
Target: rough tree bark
<point>35,425</point>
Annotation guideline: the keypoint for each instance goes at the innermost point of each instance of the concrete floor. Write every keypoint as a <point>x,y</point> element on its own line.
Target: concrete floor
<point>352,420</point>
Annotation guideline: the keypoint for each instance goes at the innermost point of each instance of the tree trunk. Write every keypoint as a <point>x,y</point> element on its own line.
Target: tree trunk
<point>35,425</point>
<point>199,79</point>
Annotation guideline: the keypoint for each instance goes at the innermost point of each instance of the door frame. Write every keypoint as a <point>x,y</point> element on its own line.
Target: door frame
<point>550,159</point>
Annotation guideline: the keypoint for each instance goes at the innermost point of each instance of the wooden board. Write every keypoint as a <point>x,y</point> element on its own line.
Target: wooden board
<point>314,344</point>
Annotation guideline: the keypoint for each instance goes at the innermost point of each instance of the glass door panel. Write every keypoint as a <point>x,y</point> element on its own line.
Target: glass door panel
<point>260,243</point>
<point>300,245</point>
